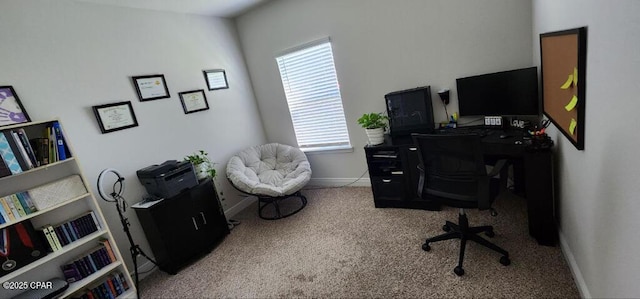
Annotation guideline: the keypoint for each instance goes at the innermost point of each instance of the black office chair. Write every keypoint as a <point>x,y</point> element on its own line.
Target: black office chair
<point>453,172</point>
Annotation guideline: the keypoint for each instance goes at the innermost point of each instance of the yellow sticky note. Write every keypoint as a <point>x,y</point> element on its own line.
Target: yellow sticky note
<point>567,83</point>
<point>572,126</point>
<point>572,104</point>
<point>575,76</point>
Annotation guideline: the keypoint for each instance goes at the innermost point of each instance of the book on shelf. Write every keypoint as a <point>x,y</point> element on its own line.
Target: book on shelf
<point>3,211</point>
<point>86,264</point>
<point>40,146</point>
<point>7,209</point>
<point>74,229</point>
<point>60,142</point>
<point>4,169</point>
<point>112,286</point>
<point>21,149</point>
<point>50,236</point>
<point>54,237</point>
<point>47,237</point>
<point>14,211</point>
<point>109,250</point>
<point>61,236</point>
<point>71,273</point>
<point>24,140</point>
<point>16,203</point>
<point>10,153</point>
<point>66,233</point>
<point>15,206</point>
<point>53,144</point>
<point>26,202</point>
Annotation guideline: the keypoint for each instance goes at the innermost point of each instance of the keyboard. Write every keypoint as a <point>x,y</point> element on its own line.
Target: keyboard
<point>467,130</point>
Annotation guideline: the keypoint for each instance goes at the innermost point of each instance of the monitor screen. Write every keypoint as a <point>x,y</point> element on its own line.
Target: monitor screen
<point>410,111</point>
<point>512,92</point>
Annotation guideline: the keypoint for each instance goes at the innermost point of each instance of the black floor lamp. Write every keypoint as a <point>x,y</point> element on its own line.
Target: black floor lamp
<point>121,206</point>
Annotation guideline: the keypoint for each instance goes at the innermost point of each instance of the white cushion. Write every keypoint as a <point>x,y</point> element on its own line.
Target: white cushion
<point>270,169</point>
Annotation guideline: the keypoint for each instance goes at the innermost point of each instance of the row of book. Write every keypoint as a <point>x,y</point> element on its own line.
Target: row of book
<point>16,206</point>
<point>62,234</point>
<point>19,153</point>
<point>114,285</point>
<point>89,263</point>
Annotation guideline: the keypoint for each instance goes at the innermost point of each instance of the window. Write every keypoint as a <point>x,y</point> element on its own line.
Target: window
<point>313,95</point>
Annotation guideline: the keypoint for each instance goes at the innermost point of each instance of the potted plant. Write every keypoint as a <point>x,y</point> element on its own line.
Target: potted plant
<point>374,124</point>
<point>202,164</point>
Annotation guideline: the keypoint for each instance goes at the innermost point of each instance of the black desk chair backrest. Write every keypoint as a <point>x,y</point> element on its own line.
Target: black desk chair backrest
<point>453,172</point>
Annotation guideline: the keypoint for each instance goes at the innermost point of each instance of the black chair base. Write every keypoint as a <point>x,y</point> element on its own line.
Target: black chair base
<point>280,210</point>
<point>463,232</point>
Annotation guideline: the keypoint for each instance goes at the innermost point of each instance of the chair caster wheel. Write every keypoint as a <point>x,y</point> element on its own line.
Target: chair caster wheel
<point>446,228</point>
<point>458,271</point>
<point>505,260</point>
<point>490,233</point>
<point>426,247</point>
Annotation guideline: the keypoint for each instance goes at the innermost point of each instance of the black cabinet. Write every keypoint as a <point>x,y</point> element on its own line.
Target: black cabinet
<point>394,176</point>
<point>539,188</point>
<point>184,227</point>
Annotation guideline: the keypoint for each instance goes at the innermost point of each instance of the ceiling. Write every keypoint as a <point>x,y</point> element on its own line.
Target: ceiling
<point>215,8</point>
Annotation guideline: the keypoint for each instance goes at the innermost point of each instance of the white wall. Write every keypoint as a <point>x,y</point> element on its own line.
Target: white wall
<point>62,57</point>
<point>381,46</point>
<point>598,187</point>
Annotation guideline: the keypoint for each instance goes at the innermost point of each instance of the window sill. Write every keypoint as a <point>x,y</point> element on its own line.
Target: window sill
<point>328,150</point>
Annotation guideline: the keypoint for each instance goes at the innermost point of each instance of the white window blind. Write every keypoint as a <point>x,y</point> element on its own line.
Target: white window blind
<point>313,94</point>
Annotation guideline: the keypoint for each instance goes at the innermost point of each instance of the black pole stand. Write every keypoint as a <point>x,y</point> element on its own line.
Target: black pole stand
<point>135,248</point>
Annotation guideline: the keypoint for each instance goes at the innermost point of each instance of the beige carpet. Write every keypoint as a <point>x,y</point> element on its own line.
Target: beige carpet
<point>341,246</point>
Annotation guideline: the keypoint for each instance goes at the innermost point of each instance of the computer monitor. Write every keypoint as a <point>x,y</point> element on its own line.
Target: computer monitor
<point>410,111</point>
<point>513,92</point>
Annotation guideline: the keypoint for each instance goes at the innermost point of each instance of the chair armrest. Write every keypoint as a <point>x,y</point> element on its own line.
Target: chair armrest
<point>420,180</point>
<point>497,168</point>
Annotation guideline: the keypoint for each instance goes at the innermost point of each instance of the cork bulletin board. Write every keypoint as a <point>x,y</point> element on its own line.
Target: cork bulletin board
<point>563,69</point>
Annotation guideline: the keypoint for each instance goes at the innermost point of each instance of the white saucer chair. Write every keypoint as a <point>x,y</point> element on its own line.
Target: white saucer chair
<point>274,173</point>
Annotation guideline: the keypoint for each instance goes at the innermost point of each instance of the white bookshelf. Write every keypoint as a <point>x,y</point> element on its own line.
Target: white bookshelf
<point>49,266</point>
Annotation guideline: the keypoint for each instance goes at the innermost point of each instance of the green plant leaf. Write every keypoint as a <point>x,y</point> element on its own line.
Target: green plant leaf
<point>373,121</point>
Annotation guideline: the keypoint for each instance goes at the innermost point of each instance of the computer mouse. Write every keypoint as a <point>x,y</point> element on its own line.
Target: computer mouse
<point>504,136</point>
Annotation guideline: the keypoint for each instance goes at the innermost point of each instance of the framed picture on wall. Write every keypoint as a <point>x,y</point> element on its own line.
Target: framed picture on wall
<point>11,109</point>
<point>216,79</point>
<point>152,87</point>
<point>115,116</point>
<point>193,101</point>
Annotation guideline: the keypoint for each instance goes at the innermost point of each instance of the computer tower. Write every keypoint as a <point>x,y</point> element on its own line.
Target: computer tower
<point>410,111</point>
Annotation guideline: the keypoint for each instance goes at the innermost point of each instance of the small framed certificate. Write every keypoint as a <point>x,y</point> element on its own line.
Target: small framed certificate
<point>11,110</point>
<point>152,87</point>
<point>115,116</point>
<point>193,101</point>
<point>216,79</point>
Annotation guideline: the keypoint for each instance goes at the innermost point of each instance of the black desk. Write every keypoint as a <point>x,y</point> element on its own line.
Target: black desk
<point>394,177</point>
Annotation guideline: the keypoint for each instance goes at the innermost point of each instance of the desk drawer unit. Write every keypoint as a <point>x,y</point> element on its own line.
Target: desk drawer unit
<point>386,173</point>
<point>388,188</point>
<point>392,170</point>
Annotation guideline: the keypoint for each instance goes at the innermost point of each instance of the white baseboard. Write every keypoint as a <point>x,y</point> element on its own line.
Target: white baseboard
<point>338,182</point>
<point>573,266</point>
<point>237,208</point>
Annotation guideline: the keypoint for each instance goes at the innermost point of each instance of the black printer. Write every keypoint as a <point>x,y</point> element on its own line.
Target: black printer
<point>168,179</point>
